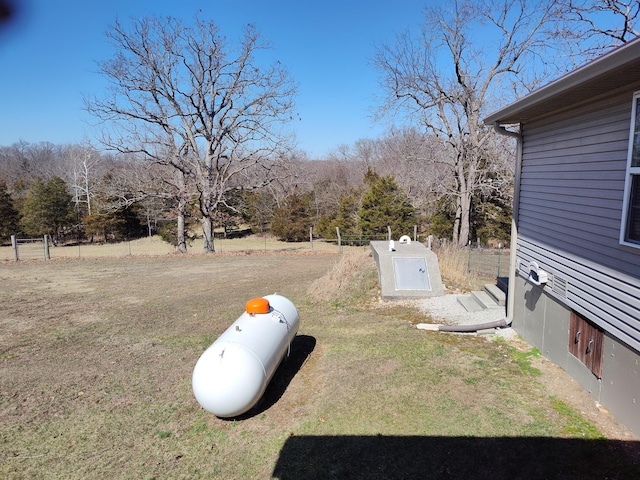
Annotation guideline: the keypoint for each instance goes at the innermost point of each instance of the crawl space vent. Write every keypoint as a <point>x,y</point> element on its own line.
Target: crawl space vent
<point>559,286</point>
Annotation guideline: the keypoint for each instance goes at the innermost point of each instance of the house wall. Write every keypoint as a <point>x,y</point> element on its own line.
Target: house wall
<point>543,322</point>
<point>570,209</point>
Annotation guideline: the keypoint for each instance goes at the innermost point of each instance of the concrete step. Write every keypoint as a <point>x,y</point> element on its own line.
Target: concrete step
<point>485,300</point>
<point>469,304</point>
<point>496,293</point>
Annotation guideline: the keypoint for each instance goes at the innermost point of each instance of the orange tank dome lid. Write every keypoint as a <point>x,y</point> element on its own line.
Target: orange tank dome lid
<point>257,305</point>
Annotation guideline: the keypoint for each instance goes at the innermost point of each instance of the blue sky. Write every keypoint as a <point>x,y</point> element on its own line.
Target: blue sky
<point>48,58</point>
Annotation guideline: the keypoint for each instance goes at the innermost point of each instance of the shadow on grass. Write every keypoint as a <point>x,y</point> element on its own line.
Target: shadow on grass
<point>301,348</point>
<point>417,457</point>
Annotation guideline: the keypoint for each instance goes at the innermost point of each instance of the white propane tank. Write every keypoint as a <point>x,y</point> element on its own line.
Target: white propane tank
<point>233,373</point>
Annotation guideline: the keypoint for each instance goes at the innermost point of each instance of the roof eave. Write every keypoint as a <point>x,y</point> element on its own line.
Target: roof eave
<point>617,58</point>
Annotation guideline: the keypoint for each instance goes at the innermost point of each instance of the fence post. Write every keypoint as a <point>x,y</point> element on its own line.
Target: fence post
<point>499,253</point>
<point>14,245</point>
<point>415,233</point>
<point>469,257</point>
<point>339,240</point>
<point>45,243</point>
<point>388,233</point>
<point>311,236</point>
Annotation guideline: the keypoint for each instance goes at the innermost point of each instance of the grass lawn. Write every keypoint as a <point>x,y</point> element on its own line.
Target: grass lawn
<point>96,357</point>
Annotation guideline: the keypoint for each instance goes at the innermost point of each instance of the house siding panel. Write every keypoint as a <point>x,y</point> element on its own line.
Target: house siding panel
<point>609,298</point>
<point>586,247</point>
<point>571,198</point>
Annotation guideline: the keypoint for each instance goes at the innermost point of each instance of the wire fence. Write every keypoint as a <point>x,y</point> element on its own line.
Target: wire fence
<point>488,262</point>
<point>358,241</point>
<point>485,261</point>
<point>34,249</point>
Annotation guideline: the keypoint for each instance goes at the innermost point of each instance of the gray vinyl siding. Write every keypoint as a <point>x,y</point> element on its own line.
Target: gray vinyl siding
<point>571,198</point>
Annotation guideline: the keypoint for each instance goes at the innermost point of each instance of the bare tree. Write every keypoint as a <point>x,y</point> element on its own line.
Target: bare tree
<point>447,76</point>
<point>80,166</point>
<point>411,158</point>
<point>185,99</point>
<point>289,172</point>
<point>590,27</point>
<point>15,167</point>
<point>151,185</point>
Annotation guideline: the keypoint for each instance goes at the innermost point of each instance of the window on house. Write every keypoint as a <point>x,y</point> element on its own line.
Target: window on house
<point>630,232</point>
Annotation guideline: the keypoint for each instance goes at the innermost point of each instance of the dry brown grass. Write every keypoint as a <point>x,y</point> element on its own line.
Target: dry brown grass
<point>453,262</point>
<point>353,276</point>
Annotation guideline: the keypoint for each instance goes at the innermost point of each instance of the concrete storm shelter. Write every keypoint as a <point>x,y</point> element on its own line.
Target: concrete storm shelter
<point>406,270</point>
<point>574,282</point>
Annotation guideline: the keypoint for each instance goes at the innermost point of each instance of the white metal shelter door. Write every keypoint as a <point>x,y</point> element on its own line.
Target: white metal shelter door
<point>411,273</point>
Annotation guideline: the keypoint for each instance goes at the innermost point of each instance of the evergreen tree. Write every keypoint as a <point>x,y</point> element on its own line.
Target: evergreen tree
<point>47,209</point>
<point>9,217</point>
<point>117,225</point>
<point>491,219</point>
<point>102,225</point>
<point>292,221</point>
<point>385,204</point>
<point>345,218</point>
<point>257,209</point>
<point>442,220</point>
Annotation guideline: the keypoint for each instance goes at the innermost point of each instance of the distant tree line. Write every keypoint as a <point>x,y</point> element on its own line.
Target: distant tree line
<point>77,193</point>
<point>63,191</point>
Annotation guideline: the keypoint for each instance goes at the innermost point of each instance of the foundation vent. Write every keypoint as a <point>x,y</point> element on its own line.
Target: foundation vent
<point>559,286</point>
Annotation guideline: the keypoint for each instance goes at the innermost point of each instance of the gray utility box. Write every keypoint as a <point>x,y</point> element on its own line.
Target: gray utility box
<point>410,270</point>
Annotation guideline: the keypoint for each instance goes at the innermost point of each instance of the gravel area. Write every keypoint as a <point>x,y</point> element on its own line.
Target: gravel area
<point>446,310</point>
